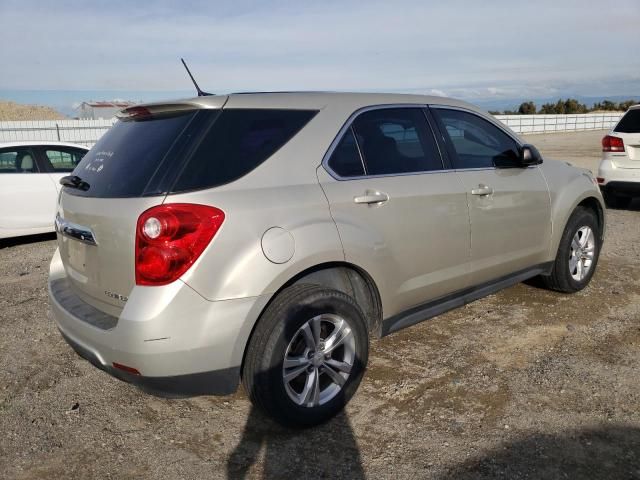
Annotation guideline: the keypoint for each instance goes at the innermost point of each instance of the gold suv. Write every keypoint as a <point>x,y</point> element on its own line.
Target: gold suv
<point>264,237</point>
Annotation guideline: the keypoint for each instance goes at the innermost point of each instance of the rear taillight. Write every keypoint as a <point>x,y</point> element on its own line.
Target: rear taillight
<point>612,144</point>
<point>170,238</point>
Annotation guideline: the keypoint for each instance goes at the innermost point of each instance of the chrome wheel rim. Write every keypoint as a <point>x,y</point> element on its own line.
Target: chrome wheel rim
<point>318,360</point>
<point>582,253</point>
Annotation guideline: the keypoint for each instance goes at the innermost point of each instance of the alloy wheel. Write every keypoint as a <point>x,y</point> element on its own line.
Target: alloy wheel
<point>318,360</point>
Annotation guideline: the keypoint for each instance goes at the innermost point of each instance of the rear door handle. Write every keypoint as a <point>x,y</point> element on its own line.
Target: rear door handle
<point>482,190</point>
<point>371,197</point>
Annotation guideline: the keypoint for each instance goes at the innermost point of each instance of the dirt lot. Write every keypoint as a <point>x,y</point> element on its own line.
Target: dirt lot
<point>522,384</point>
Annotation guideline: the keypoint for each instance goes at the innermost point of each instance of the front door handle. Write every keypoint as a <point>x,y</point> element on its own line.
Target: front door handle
<point>482,190</point>
<point>371,197</point>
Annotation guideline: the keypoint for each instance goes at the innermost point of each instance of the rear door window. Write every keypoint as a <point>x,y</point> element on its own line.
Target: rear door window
<point>239,141</point>
<point>630,122</point>
<point>17,160</point>
<point>395,141</point>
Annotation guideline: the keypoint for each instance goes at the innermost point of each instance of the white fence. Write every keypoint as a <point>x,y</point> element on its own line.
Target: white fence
<point>560,123</point>
<point>87,132</point>
<point>84,132</point>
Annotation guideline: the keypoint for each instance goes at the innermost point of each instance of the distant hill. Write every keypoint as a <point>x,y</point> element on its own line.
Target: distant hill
<point>17,111</point>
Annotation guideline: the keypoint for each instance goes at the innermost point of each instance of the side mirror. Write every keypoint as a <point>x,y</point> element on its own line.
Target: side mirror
<point>529,155</point>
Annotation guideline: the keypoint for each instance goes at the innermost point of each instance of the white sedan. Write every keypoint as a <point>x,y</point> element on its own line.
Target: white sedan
<point>30,173</point>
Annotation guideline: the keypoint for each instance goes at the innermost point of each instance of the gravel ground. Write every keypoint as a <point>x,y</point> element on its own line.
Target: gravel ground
<point>523,384</point>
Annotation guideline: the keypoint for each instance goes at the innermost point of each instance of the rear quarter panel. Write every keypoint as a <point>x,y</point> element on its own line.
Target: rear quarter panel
<point>234,265</point>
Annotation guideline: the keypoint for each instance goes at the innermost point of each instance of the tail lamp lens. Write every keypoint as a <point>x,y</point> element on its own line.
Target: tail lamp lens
<point>612,144</point>
<point>170,238</point>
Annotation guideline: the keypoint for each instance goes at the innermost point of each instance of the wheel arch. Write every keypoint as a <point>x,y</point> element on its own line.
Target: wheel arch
<point>342,276</point>
<point>588,200</point>
<point>592,203</point>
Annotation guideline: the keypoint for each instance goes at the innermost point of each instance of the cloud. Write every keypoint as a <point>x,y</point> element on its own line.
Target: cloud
<point>463,48</point>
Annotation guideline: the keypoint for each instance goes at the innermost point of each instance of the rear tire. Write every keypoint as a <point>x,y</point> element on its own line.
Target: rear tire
<point>613,200</point>
<point>322,335</point>
<point>578,253</point>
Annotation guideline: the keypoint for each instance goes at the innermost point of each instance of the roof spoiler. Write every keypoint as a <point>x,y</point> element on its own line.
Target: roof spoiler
<point>153,110</point>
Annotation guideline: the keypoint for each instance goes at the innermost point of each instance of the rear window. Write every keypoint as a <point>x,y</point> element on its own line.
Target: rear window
<point>630,122</point>
<point>190,151</point>
<point>126,158</point>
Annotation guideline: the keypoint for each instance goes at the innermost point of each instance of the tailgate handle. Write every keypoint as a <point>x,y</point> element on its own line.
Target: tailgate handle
<point>75,231</point>
<point>372,197</point>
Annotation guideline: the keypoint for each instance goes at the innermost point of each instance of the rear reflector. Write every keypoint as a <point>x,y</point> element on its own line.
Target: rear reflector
<point>124,368</point>
<point>170,238</point>
<point>612,144</point>
<point>600,179</point>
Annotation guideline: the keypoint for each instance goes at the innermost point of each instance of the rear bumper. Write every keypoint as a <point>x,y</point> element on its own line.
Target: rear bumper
<point>179,342</point>
<point>217,382</point>
<point>623,188</point>
<point>615,177</point>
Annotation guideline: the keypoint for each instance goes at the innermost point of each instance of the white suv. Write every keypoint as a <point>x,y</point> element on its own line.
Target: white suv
<point>619,171</point>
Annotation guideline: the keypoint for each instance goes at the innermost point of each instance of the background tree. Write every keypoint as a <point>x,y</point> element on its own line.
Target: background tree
<point>548,108</point>
<point>570,105</point>
<point>527,108</point>
<point>626,104</point>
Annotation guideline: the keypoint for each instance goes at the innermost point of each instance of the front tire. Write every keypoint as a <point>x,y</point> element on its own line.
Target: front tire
<point>307,355</point>
<point>578,253</point>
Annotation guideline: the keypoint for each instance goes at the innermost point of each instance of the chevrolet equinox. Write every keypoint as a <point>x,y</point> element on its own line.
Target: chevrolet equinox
<point>265,237</point>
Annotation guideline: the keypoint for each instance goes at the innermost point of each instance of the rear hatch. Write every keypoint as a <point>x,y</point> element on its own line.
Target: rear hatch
<point>130,169</point>
<point>628,128</point>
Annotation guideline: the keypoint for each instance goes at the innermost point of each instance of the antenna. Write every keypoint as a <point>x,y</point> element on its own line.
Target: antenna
<point>200,92</point>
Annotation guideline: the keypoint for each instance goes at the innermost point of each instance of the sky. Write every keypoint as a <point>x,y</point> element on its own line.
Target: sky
<point>476,50</point>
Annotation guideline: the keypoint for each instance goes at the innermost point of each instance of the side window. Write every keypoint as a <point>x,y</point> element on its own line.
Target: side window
<point>476,142</point>
<point>17,160</point>
<point>239,141</point>
<point>64,160</point>
<point>345,159</point>
<point>396,140</point>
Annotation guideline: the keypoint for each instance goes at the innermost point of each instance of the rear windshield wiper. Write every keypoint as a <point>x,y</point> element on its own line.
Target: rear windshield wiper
<point>74,181</point>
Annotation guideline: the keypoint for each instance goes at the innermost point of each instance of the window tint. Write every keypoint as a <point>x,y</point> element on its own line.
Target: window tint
<point>17,160</point>
<point>345,159</point>
<point>126,158</point>
<point>238,142</point>
<point>630,122</point>
<point>396,140</point>
<point>64,160</point>
<point>476,142</point>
